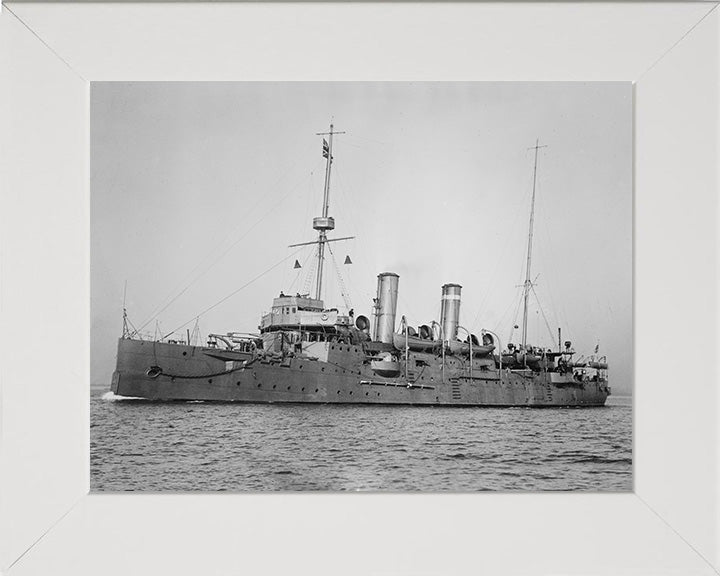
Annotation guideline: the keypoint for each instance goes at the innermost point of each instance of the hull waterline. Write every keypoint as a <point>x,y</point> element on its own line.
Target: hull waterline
<point>165,372</point>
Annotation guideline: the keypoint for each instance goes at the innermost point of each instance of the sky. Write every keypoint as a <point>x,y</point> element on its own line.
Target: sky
<point>198,189</point>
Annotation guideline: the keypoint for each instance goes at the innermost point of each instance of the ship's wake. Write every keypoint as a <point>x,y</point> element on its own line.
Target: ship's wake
<point>112,397</point>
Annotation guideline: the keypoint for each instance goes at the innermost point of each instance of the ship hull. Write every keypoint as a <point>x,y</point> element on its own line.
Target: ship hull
<point>166,372</point>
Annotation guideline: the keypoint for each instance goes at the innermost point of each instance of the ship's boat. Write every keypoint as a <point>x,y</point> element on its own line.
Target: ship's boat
<point>457,347</point>
<point>308,352</point>
<point>415,343</point>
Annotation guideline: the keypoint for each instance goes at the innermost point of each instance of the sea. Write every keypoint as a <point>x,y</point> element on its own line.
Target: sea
<point>143,446</point>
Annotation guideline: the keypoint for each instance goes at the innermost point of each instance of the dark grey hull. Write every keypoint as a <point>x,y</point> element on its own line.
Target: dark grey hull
<point>166,372</point>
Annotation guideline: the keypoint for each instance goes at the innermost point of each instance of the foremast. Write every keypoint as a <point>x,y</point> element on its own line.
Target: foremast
<point>323,224</point>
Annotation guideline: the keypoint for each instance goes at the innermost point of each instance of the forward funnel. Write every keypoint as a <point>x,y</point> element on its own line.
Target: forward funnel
<point>385,307</point>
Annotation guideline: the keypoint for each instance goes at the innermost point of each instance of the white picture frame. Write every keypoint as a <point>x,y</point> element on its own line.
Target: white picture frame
<point>49,54</point>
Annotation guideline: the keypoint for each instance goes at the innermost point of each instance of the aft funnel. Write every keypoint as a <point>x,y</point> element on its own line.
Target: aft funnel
<point>450,311</point>
<point>385,307</point>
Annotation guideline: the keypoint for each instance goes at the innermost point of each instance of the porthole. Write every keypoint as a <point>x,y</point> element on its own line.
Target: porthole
<point>259,385</point>
<point>366,393</point>
<point>237,383</point>
<point>274,386</point>
<point>316,390</point>
<point>209,380</point>
<point>378,393</point>
<point>302,389</point>
<point>333,347</point>
<point>154,371</point>
<point>338,391</point>
<point>322,369</point>
<point>288,387</point>
<point>184,353</point>
<point>350,392</point>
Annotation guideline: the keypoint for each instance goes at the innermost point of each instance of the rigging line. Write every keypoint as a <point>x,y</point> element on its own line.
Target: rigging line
<point>347,195</point>
<point>550,264</point>
<point>354,145</point>
<point>343,290</point>
<point>516,219</point>
<point>346,199</point>
<point>357,137</point>
<point>517,313</point>
<point>220,257</point>
<point>502,318</point>
<point>300,224</point>
<point>301,270</point>
<point>203,260</point>
<point>494,276</point>
<point>410,313</point>
<point>135,330</point>
<point>547,324</point>
<point>310,272</point>
<point>196,316</point>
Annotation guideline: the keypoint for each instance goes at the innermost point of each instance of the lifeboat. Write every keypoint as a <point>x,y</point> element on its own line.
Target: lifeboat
<point>415,343</point>
<point>527,358</point>
<point>457,347</point>
<point>598,365</point>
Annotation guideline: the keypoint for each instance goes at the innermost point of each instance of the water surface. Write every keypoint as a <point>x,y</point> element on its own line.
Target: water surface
<point>199,446</point>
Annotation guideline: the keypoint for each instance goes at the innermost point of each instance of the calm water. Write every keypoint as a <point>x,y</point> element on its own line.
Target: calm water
<point>138,445</point>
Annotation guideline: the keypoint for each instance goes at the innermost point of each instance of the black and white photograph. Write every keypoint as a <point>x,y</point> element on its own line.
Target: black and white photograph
<point>361,286</point>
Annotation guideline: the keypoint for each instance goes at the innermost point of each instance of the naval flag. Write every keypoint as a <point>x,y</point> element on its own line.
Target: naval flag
<point>347,259</point>
<point>597,346</point>
<point>326,148</point>
<point>297,265</point>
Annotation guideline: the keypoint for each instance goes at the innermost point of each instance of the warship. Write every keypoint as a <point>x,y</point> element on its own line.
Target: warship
<point>307,352</point>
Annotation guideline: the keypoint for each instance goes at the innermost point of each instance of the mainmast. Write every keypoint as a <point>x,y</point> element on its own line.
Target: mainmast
<point>528,283</point>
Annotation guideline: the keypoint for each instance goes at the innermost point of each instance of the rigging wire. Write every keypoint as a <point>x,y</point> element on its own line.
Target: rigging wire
<point>558,310</point>
<point>300,271</point>
<point>203,260</point>
<point>349,199</point>
<point>515,317</point>
<point>547,324</point>
<point>196,316</point>
<point>512,231</point>
<point>523,283</point>
<point>220,257</point>
<point>135,331</point>
<point>341,284</point>
<point>311,272</point>
<point>300,224</point>
<point>501,321</point>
